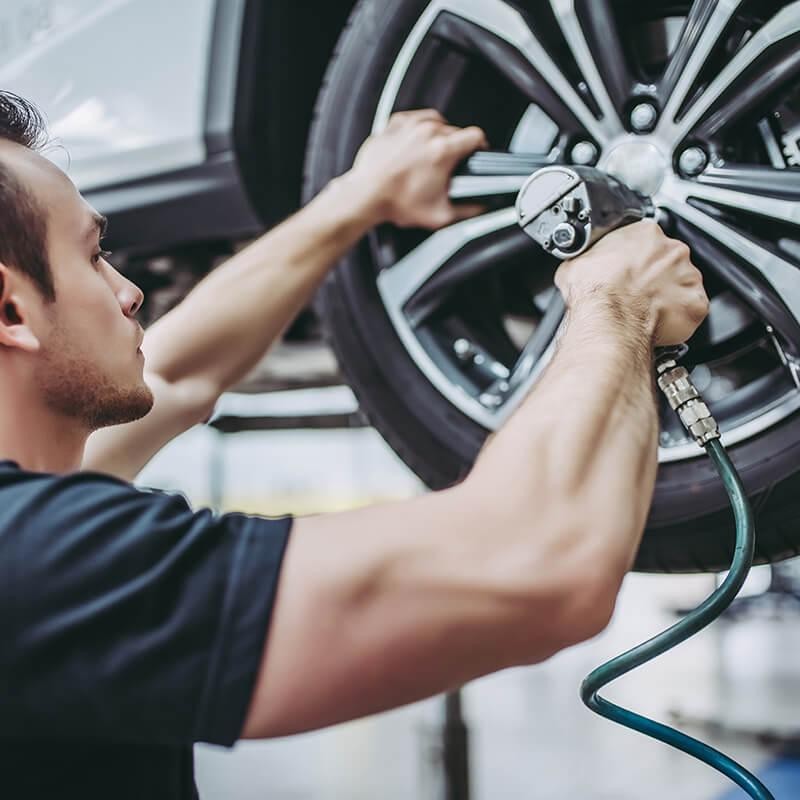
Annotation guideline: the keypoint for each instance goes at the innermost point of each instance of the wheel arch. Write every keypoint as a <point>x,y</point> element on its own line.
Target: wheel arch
<point>282,61</point>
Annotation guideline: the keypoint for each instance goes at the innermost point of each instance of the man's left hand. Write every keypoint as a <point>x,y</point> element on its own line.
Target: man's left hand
<point>407,168</point>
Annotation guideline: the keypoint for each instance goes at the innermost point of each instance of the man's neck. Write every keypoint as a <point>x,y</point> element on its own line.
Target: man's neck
<point>38,440</point>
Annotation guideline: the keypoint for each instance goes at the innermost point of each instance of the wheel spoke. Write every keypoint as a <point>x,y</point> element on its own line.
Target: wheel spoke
<point>507,393</point>
<point>400,282</point>
<point>745,286</point>
<point>606,73</point>
<point>769,76</point>
<point>477,186</point>
<point>482,24</point>
<point>782,276</point>
<point>495,249</point>
<point>784,24</point>
<point>539,342</point>
<point>532,361</point>
<point>403,280</point>
<point>704,25</point>
<point>498,162</point>
<point>486,174</point>
<point>757,180</point>
<point>775,207</point>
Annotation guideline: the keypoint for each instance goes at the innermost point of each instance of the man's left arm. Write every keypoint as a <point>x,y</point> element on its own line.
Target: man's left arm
<point>211,340</point>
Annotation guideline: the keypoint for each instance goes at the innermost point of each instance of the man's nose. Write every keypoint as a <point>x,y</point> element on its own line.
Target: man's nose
<point>130,297</point>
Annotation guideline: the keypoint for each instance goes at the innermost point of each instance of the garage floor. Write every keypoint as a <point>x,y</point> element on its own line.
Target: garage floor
<point>530,737</point>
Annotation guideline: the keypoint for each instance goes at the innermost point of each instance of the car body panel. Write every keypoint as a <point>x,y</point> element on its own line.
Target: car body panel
<point>126,98</point>
<point>184,121</point>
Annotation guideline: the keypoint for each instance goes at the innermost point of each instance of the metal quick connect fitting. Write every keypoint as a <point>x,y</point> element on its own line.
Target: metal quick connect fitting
<point>685,400</point>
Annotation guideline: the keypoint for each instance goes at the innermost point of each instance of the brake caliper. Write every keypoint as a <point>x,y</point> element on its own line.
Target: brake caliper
<point>788,117</point>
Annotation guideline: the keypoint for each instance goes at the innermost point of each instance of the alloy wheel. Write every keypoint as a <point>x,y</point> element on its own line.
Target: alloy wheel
<point>696,104</point>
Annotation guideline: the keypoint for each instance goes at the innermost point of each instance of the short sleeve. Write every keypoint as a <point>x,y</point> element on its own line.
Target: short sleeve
<point>125,615</point>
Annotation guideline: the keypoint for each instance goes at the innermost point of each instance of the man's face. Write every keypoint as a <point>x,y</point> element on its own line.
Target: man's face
<point>89,366</point>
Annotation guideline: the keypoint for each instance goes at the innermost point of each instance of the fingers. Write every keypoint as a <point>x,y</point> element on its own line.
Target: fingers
<point>464,142</point>
<point>459,142</point>
<point>400,118</point>
<point>416,155</point>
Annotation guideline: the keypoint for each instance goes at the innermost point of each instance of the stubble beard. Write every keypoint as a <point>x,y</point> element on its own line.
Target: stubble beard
<point>75,387</point>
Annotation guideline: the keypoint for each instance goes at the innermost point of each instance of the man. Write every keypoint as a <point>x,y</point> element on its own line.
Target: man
<point>132,627</point>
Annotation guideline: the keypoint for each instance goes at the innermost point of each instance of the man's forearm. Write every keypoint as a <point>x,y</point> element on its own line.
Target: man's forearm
<point>588,430</point>
<point>222,329</point>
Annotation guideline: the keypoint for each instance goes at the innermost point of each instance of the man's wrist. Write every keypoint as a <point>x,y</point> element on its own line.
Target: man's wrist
<point>359,197</point>
<point>608,313</point>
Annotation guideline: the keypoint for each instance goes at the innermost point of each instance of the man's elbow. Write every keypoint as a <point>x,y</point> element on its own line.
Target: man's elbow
<point>587,603</point>
<point>202,399</point>
<point>190,401</point>
<point>566,585</point>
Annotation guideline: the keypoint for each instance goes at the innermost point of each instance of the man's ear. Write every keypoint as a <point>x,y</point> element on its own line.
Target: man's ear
<point>15,330</point>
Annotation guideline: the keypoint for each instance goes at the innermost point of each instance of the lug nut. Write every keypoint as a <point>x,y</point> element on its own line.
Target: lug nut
<point>584,153</point>
<point>692,161</point>
<point>490,400</point>
<point>643,117</point>
<point>463,349</point>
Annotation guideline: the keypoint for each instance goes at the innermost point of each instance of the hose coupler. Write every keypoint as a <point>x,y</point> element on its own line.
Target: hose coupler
<point>685,400</point>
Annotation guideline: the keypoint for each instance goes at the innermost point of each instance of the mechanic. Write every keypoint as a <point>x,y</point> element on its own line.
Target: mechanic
<point>133,626</point>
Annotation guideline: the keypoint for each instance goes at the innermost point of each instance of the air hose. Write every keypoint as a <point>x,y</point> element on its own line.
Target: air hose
<point>674,381</point>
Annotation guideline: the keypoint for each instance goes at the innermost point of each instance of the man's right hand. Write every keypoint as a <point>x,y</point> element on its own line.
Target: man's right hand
<point>644,273</point>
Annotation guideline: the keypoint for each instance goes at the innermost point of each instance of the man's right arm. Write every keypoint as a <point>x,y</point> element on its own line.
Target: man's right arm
<point>386,605</point>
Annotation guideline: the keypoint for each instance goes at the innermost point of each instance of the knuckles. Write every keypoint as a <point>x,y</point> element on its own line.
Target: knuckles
<point>438,150</point>
<point>701,307</point>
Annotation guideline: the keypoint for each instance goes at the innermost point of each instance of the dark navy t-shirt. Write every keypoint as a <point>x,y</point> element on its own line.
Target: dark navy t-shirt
<point>130,628</point>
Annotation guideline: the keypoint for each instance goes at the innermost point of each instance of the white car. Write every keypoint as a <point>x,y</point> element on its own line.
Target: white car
<point>191,123</point>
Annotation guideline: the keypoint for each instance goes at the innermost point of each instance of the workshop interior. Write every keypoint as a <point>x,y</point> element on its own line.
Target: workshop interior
<point>196,125</point>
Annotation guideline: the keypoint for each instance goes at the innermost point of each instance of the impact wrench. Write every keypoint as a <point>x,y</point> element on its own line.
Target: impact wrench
<point>566,210</point>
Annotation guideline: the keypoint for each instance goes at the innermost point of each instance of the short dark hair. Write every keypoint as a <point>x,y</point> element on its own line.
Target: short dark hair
<point>23,223</point>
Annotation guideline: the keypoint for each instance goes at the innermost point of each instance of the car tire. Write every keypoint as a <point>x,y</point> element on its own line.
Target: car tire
<point>690,527</point>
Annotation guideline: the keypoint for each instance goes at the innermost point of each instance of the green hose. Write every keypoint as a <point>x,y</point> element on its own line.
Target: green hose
<point>694,622</point>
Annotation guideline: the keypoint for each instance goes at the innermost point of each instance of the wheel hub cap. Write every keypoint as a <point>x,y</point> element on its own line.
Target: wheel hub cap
<point>638,164</point>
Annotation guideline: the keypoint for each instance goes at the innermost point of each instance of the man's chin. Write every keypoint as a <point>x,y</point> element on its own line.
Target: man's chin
<point>143,404</point>
<point>75,387</point>
<point>123,407</point>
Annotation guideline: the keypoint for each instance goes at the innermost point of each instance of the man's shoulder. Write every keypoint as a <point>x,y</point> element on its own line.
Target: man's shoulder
<point>37,506</point>
<point>15,479</point>
<point>127,596</point>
